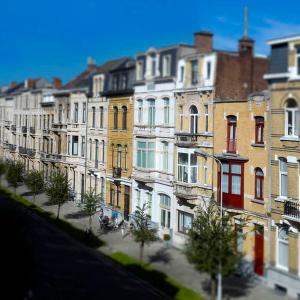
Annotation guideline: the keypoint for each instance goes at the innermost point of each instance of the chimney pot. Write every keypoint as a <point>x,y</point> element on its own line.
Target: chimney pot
<point>56,82</point>
<point>203,41</point>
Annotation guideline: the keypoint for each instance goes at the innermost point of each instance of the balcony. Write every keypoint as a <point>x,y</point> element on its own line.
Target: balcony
<point>184,139</point>
<point>58,127</point>
<point>22,150</point>
<point>117,172</point>
<point>231,146</point>
<point>31,152</point>
<point>145,176</point>
<point>13,128</point>
<point>7,124</point>
<point>12,148</point>
<point>32,130</point>
<point>186,190</point>
<point>46,132</point>
<point>45,156</point>
<point>24,129</point>
<point>292,210</point>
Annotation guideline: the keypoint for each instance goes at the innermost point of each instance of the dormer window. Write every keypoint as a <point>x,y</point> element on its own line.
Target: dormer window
<point>298,59</point>
<point>208,70</point>
<point>124,81</point>
<point>140,70</point>
<point>153,66</point>
<point>181,74</point>
<point>166,65</point>
<point>194,70</point>
<point>115,82</point>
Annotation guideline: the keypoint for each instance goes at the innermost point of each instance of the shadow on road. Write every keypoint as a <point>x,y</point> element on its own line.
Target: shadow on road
<point>77,215</point>
<point>161,255</point>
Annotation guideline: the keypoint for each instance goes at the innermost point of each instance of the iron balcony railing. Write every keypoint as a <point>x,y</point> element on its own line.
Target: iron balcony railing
<point>31,152</point>
<point>24,129</point>
<point>187,138</point>
<point>292,209</point>
<point>12,148</point>
<point>22,150</point>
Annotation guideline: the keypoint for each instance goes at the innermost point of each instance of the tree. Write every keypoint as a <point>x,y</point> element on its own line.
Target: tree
<point>211,243</point>
<point>3,168</point>
<point>58,190</point>
<point>142,233</point>
<point>15,173</point>
<point>90,205</point>
<point>35,182</point>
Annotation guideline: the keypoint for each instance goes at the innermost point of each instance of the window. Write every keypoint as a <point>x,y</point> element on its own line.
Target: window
<point>145,154</point>
<point>124,117</point>
<point>91,149</point>
<point>101,117</point>
<point>69,144</point>
<point>185,221</point>
<point>298,59</point>
<point>138,198</point>
<point>112,195</point>
<point>208,69</point>
<point>181,117</point>
<point>259,184</point>
<point>75,145</point>
<point>165,214</point>
<point>181,76</point>
<point>115,117</point>
<point>193,119</point>
<point>83,112</point>
<point>115,83</point>
<point>206,117</point>
<point>124,81</point>
<point>140,111</point>
<point>283,248</point>
<point>60,113</point>
<point>75,112</point>
<point>283,177</point>
<point>291,118</point>
<point>96,153</point>
<point>68,111</point>
<point>118,195</point>
<point>187,167</point>
<point>166,110</point>
<point>83,146</point>
<point>103,151</point>
<point>153,66</point>
<point>165,156</point>
<point>112,155</point>
<point>205,173</point>
<point>140,70</point>
<point>93,117</point>
<point>259,130</point>
<point>231,134</point>
<point>166,65</point>
<point>194,69</point>
<point>126,157</point>
<point>119,161</point>
<point>151,113</point>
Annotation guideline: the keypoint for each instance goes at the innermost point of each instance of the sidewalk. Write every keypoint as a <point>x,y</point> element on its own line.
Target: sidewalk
<point>171,261</point>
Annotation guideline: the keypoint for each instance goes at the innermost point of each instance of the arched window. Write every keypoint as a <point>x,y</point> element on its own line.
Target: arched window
<point>101,117</point>
<point>165,206</point>
<point>291,118</point>
<point>259,130</point>
<point>115,117</point>
<point>93,117</point>
<point>193,119</point>
<point>283,177</point>
<point>231,134</point>
<point>124,117</point>
<point>151,113</point>
<point>259,184</point>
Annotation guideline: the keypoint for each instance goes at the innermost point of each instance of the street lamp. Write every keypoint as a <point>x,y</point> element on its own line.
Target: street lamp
<point>202,153</point>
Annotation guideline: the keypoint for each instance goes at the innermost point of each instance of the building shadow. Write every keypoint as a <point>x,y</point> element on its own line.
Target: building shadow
<point>162,255</point>
<point>76,215</point>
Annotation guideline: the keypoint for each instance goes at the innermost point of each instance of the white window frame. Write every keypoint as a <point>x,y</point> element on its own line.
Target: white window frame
<point>166,111</point>
<point>138,198</point>
<point>295,119</point>
<point>165,209</point>
<point>205,171</point>
<point>166,65</point>
<point>206,117</point>
<point>151,113</point>
<point>285,268</point>
<point>188,166</point>
<point>283,173</point>
<point>147,149</point>
<point>140,69</point>
<point>165,156</point>
<point>140,111</point>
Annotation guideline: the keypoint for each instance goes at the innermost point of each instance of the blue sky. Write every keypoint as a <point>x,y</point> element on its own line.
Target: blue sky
<point>40,38</point>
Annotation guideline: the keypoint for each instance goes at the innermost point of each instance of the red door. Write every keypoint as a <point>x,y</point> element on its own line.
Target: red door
<point>259,251</point>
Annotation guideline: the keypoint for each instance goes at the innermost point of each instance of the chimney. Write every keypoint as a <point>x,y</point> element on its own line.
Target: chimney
<point>91,63</point>
<point>203,41</point>
<point>29,83</point>
<point>56,82</point>
<point>12,84</point>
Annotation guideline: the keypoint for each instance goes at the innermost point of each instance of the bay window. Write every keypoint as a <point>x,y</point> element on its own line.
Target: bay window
<point>145,154</point>
<point>187,167</point>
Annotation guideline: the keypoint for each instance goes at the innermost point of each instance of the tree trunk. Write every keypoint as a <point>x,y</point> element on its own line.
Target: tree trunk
<point>213,284</point>
<point>141,252</point>
<point>58,209</point>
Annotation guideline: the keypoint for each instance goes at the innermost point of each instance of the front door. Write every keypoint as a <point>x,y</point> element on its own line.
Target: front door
<point>259,250</point>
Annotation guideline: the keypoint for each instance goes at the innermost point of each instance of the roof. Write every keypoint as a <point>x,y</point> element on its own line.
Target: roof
<point>284,39</point>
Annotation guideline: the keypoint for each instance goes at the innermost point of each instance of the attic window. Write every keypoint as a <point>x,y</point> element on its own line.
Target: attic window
<point>166,65</point>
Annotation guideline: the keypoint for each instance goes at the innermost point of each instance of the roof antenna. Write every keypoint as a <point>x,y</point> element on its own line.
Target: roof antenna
<point>246,21</point>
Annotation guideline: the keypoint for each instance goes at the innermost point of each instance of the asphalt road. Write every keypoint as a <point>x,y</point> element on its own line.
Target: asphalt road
<point>58,267</point>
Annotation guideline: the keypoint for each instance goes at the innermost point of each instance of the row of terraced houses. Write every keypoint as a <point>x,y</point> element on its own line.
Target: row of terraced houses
<point>129,129</point>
